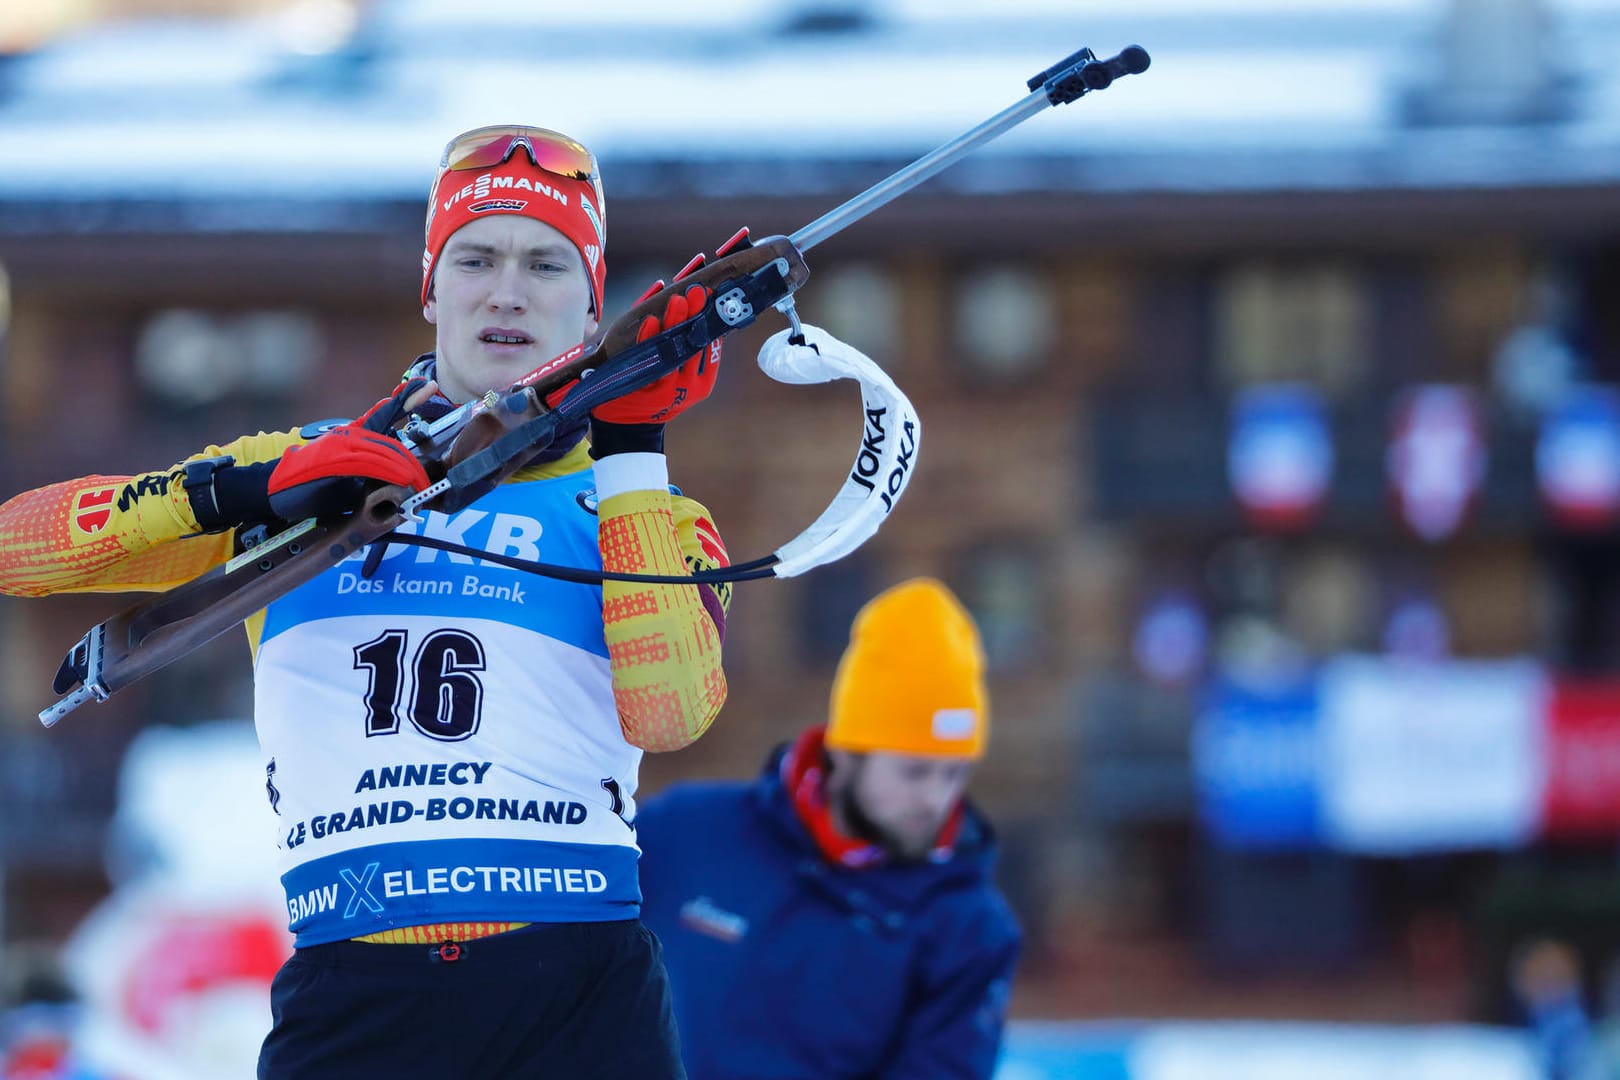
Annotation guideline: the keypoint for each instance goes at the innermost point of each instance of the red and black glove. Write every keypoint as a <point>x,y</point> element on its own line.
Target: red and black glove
<point>329,475</point>
<point>662,401</point>
<point>635,421</point>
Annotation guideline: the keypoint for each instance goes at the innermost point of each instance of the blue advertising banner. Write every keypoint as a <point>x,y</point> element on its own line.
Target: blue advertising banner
<point>1255,758</point>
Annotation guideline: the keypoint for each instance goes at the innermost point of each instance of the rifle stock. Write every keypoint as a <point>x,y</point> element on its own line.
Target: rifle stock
<point>152,634</point>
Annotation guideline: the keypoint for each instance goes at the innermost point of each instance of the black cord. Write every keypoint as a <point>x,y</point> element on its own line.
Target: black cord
<point>748,571</point>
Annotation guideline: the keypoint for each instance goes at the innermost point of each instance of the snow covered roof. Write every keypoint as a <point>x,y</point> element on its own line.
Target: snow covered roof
<point>1243,95</point>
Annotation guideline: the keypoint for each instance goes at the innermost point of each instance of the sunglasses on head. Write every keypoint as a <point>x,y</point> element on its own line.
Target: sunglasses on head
<point>550,151</point>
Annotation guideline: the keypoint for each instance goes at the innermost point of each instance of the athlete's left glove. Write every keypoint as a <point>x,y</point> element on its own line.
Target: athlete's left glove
<point>328,476</point>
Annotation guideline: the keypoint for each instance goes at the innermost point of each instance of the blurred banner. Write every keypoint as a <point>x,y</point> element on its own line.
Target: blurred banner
<point>1254,753</point>
<point>1582,799</point>
<point>1422,757</point>
<point>1389,756</point>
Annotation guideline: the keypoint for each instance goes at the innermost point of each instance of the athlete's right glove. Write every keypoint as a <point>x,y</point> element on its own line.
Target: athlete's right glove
<point>327,476</point>
<point>635,421</point>
<point>661,401</point>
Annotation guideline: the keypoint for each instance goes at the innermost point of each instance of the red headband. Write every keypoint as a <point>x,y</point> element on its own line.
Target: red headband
<point>517,187</point>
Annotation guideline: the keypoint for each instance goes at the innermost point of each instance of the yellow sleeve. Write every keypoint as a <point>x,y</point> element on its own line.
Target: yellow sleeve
<point>663,640</point>
<point>116,533</point>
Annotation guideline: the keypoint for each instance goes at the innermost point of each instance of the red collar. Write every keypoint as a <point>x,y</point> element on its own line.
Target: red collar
<point>804,774</point>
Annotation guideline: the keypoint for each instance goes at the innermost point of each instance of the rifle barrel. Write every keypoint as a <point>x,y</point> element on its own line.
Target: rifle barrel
<point>1063,82</point>
<point>935,161</point>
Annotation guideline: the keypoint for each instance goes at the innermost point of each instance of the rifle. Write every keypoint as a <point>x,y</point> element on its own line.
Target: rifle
<point>473,448</point>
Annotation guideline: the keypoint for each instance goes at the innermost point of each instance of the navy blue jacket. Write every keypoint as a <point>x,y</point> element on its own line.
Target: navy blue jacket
<point>788,967</point>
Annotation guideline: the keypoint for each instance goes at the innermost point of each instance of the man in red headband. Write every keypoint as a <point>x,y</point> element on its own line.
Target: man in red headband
<point>451,747</point>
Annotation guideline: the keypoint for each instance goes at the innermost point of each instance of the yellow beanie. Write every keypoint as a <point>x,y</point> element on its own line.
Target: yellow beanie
<point>912,679</point>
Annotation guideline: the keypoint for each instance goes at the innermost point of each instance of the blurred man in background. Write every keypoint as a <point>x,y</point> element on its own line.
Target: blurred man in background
<point>452,747</point>
<point>1546,979</point>
<point>836,918</point>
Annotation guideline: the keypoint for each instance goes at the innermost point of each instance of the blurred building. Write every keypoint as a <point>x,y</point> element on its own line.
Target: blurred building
<point>1243,366</point>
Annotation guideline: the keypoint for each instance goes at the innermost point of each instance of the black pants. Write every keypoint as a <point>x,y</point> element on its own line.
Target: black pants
<point>566,1000</point>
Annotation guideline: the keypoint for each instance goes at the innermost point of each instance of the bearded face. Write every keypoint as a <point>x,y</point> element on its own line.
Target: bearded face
<point>899,802</point>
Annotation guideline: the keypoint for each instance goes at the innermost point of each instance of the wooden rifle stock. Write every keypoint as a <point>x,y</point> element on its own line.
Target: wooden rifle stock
<point>152,634</point>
